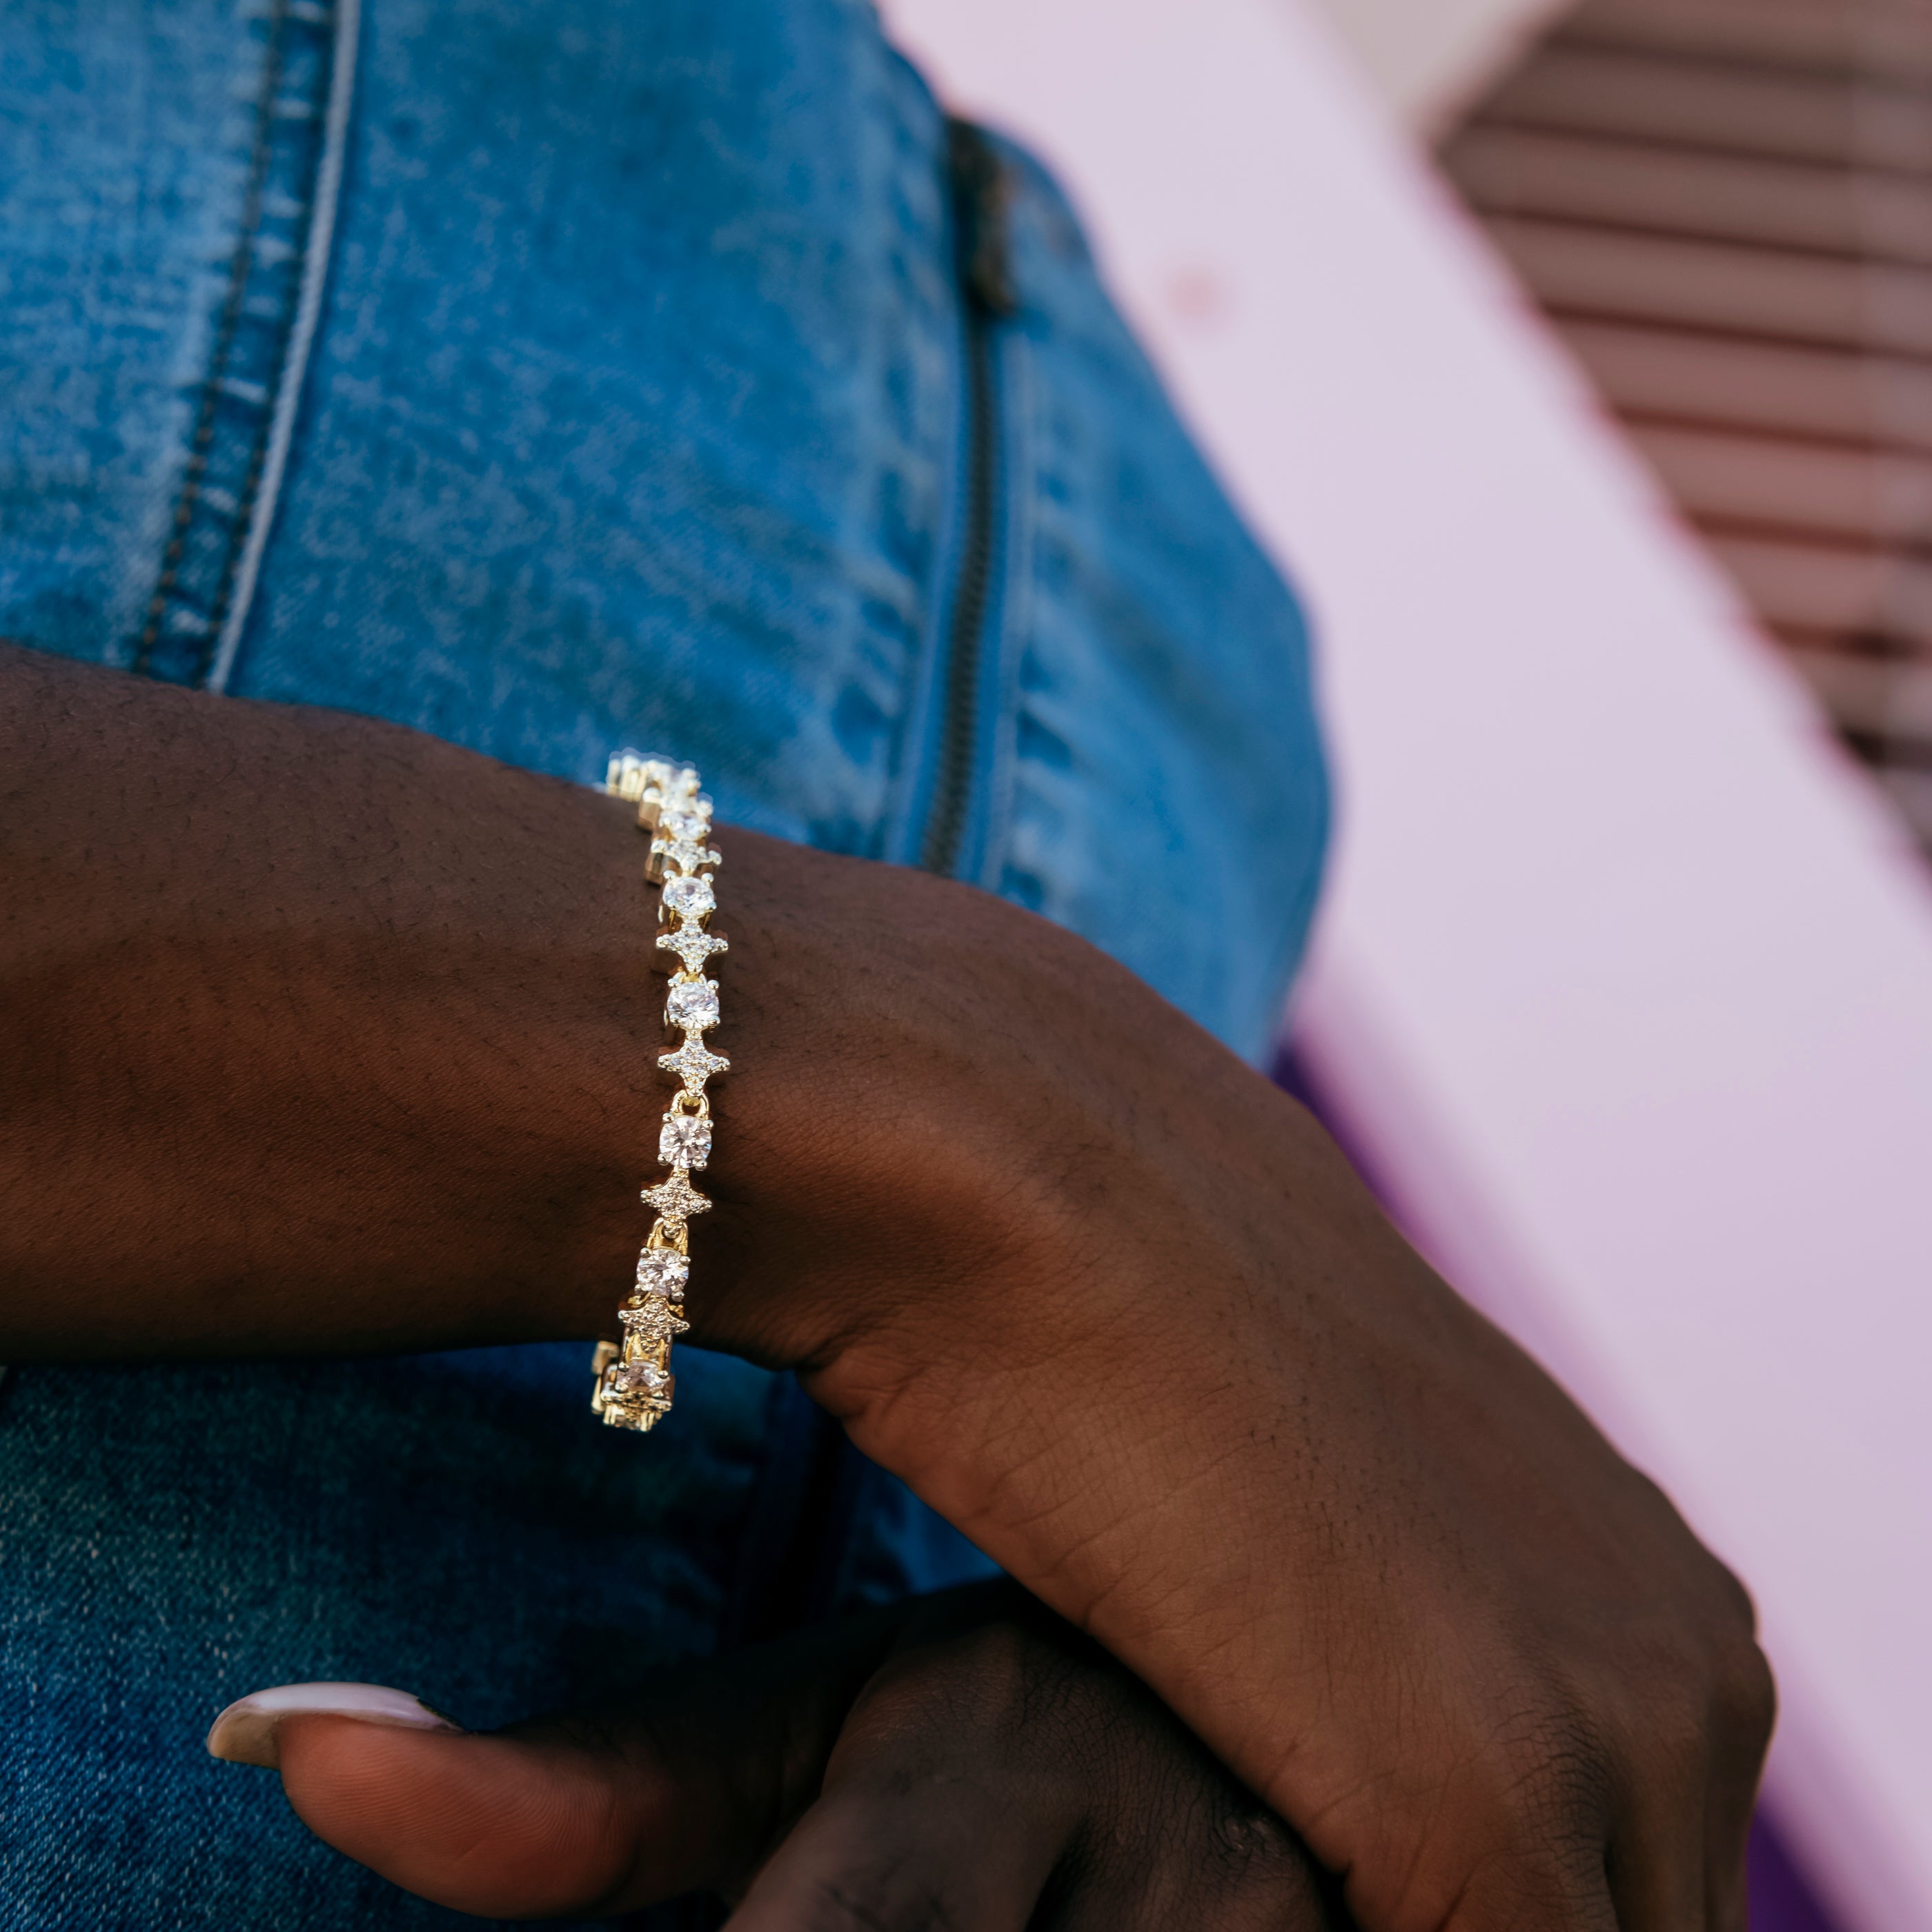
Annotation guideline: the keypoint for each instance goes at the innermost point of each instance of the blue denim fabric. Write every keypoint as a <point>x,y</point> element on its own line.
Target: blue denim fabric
<point>654,365</point>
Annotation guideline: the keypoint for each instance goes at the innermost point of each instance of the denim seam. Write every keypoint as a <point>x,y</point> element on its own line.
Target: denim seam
<point>1010,613</point>
<point>235,417</point>
<point>915,757</point>
<point>317,246</point>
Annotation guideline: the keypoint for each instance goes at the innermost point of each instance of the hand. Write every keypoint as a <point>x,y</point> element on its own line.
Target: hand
<point>1113,1305</point>
<point>966,1762</point>
<point>323,1035</point>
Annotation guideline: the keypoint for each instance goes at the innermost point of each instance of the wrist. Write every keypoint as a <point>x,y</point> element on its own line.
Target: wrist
<point>945,1117</point>
<point>852,1175</point>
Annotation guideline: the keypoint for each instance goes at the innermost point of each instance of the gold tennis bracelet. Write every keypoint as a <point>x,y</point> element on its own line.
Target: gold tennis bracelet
<point>634,1384</point>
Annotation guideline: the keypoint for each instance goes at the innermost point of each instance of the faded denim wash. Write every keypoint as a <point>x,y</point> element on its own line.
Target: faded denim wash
<point>551,375</point>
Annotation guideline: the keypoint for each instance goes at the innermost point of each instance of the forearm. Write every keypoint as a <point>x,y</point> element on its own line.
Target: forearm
<point>320,1033</point>
<point>315,1031</point>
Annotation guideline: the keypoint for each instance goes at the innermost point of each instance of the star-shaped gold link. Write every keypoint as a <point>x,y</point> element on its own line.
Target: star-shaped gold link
<point>676,1199</point>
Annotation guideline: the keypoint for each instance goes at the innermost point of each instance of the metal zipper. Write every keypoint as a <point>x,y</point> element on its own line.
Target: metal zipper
<point>978,190</point>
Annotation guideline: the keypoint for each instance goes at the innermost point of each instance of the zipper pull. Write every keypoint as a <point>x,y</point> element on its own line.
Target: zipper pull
<point>981,190</point>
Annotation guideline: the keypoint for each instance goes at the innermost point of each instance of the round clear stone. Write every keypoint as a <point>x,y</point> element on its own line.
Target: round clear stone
<point>692,1003</point>
<point>684,1141</point>
<point>663,1271</point>
<point>690,896</point>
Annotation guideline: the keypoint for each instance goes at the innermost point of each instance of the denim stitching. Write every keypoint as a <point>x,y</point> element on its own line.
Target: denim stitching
<point>316,250</point>
<point>237,412</point>
<point>1010,617</point>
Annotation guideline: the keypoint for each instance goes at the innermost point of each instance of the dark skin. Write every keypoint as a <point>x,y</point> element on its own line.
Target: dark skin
<point>322,1035</point>
<point>967,1762</point>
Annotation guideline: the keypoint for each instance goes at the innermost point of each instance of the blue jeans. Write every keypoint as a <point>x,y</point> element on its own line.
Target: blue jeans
<point>550,378</point>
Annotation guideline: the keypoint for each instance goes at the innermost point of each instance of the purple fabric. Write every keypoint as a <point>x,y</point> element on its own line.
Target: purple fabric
<point>1781,1897</point>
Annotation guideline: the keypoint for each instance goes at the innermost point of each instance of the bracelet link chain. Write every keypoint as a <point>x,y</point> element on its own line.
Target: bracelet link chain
<point>633,1384</point>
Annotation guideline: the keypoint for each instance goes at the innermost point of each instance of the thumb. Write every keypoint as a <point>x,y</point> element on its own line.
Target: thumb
<point>501,1826</point>
<point>602,1811</point>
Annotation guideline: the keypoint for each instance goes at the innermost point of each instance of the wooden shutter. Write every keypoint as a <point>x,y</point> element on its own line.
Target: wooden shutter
<point>1725,206</point>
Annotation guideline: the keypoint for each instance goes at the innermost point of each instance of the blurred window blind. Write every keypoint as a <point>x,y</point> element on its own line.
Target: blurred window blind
<point>1725,207</point>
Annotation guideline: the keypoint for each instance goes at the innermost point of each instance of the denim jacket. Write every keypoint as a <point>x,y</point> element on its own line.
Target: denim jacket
<point>548,377</point>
